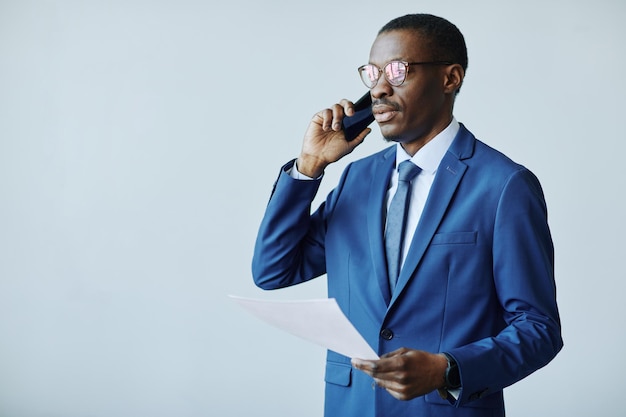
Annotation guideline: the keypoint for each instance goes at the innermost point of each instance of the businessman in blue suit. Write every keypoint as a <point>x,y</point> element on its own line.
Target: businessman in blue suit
<point>472,308</point>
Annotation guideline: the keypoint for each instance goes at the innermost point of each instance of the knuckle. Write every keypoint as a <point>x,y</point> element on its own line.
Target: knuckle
<point>403,378</point>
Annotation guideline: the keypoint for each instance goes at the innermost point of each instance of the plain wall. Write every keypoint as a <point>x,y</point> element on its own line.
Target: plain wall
<point>139,141</point>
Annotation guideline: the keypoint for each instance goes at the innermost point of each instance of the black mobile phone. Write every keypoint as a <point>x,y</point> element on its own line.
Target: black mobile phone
<point>361,119</point>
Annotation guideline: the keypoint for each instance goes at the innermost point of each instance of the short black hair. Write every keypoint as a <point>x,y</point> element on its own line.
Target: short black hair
<point>444,39</point>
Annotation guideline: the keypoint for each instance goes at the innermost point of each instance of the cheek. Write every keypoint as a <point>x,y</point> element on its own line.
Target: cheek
<point>426,100</point>
<point>423,88</point>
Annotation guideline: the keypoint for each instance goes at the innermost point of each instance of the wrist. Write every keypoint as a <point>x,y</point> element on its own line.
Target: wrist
<point>310,166</point>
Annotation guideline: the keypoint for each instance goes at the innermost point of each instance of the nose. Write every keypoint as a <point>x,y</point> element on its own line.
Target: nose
<point>381,89</point>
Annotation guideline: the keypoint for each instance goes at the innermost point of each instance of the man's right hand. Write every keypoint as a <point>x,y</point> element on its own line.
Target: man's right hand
<point>325,142</point>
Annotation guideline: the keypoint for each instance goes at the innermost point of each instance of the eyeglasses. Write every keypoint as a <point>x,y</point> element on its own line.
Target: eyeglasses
<point>395,72</point>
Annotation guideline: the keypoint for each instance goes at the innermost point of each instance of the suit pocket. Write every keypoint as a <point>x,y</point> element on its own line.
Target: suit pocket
<point>494,401</point>
<point>338,374</point>
<point>455,238</point>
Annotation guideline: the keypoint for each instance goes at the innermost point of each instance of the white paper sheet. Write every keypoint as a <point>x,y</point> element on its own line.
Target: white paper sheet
<point>320,321</point>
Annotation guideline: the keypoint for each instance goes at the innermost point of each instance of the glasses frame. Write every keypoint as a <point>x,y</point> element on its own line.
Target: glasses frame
<point>406,64</point>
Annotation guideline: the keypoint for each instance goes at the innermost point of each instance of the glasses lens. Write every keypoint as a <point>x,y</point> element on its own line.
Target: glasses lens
<point>395,71</point>
<point>369,75</point>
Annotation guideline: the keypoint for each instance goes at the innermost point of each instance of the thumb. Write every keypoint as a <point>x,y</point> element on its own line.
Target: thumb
<point>359,139</point>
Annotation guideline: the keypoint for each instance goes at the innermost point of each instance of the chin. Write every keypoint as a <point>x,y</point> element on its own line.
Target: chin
<point>393,137</point>
<point>390,136</point>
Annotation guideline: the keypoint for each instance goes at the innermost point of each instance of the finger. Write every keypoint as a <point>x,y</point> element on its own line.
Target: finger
<point>402,389</point>
<point>397,352</point>
<point>381,369</point>
<point>388,384</point>
<point>396,390</point>
<point>399,395</point>
<point>338,114</point>
<point>348,107</point>
<point>326,117</point>
<point>369,367</point>
<point>360,138</point>
<point>323,118</point>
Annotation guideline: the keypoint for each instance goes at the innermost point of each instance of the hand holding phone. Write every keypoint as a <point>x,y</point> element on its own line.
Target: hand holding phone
<point>363,117</point>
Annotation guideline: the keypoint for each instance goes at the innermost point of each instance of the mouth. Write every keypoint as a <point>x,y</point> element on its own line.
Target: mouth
<point>384,113</point>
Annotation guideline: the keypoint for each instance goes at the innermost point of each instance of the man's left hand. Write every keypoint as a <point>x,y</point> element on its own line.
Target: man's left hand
<point>406,373</point>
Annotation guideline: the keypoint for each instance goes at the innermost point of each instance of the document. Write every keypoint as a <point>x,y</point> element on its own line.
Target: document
<point>320,321</point>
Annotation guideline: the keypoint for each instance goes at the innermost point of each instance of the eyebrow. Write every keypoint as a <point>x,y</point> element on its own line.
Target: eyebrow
<point>393,59</point>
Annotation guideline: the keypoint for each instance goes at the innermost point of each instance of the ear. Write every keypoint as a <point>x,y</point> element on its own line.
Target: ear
<point>453,78</point>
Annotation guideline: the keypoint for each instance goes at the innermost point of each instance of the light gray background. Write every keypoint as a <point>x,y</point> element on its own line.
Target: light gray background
<point>139,141</point>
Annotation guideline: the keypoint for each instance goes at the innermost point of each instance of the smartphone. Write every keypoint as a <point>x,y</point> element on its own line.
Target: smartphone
<point>361,119</point>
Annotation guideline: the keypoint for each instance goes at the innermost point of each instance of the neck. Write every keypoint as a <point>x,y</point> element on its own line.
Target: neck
<point>411,147</point>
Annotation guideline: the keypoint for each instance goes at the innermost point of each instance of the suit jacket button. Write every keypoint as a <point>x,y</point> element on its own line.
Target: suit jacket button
<point>386,334</point>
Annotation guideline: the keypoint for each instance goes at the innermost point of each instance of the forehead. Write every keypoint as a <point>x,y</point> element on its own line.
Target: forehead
<point>404,45</point>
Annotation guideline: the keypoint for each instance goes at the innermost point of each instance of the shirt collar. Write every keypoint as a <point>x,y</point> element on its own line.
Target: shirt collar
<point>430,155</point>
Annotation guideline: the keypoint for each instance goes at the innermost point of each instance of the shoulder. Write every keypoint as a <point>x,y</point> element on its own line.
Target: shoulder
<point>480,156</point>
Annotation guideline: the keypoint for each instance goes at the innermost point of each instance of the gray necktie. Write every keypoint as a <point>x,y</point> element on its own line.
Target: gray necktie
<point>396,219</point>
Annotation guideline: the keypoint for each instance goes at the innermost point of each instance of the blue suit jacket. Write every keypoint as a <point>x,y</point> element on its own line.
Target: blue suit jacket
<point>478,281</point>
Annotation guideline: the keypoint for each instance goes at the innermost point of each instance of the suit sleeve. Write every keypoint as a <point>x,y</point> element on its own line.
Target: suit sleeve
<point>523,270</point>
<point>290,243</point>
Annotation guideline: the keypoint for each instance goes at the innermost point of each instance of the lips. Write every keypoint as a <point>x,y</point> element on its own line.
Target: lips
<point>384,113</point>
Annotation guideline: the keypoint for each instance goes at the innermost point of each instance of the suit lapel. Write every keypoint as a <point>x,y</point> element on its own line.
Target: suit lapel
<point>449,174</point>
<point>375,217</point>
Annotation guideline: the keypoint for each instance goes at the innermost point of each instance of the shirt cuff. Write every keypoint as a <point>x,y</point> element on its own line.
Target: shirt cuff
<point>297,175</point>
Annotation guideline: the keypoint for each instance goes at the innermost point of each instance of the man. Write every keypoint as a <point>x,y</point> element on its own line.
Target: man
<point>473,307</point>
